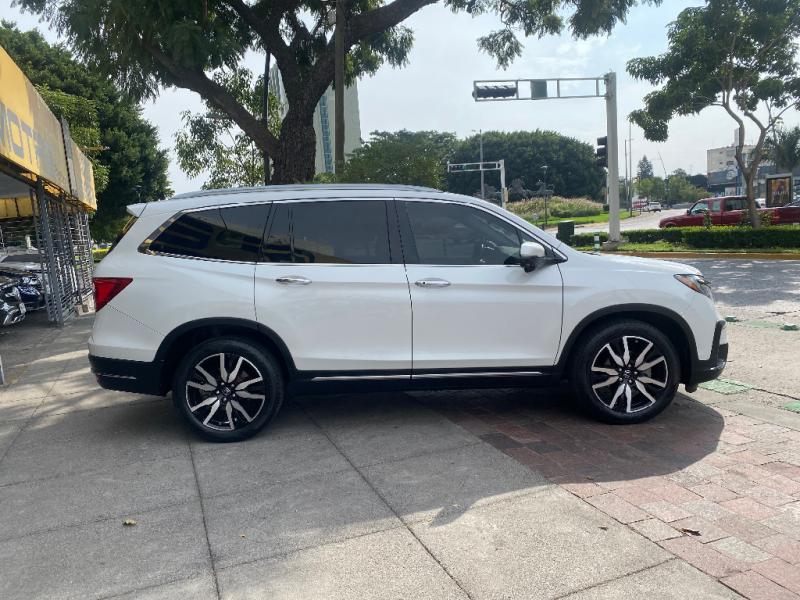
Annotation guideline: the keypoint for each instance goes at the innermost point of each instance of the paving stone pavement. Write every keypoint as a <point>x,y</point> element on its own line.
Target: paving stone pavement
<point>469,494</point>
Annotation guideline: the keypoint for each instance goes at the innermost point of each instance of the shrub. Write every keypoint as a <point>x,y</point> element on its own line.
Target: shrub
<point>782,236</point>
<point>99,253</point>
<point>557,207</point>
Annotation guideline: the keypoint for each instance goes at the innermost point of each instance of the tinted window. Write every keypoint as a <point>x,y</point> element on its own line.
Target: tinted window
<point>277,246</point>
<point>735,204</point>
<point>347,231</point>
<point>452,234</point>
<point>232,233</point>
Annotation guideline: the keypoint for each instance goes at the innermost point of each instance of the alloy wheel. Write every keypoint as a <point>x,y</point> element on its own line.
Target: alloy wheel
<point>225,391</point>
<point>629,374</point>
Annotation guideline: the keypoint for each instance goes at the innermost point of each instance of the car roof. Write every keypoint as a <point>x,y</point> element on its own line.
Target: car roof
<point>253,195</point>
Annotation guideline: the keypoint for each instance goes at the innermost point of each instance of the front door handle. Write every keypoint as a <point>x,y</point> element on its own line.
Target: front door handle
<point>433,282</point>
<point>293,280</point>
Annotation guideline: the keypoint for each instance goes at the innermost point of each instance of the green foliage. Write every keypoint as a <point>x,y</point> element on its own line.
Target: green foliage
<point>212,142</point>
<point>784,148</point>
<point>145,46</point>
<point>783,236</point>
<point>401,157</point>
<point>556,207</point>
<point>644,169</point>
<point>571,164</point>
<point>708,222</point>
<point>740,55</point>
<point>137,168</point>
<point>652,188</point>
<point>84,127</point>
<point>99,253</point>
<point>680,191</point>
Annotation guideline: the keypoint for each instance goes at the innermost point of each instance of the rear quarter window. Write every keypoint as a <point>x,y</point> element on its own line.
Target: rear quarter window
<point>232,233</point>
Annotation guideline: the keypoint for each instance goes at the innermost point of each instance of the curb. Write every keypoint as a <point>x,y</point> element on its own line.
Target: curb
<point>737,255</point>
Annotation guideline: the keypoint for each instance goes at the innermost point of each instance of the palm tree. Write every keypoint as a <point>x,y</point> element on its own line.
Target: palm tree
<point>784,148</point>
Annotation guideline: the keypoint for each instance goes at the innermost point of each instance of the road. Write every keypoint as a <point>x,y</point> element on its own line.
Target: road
<point>642,221</point>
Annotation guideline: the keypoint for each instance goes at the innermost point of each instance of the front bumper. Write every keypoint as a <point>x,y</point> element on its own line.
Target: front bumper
<point>128,375</point>
<point>706,370</point>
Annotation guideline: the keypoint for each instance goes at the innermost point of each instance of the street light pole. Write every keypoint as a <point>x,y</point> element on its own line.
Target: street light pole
<point>544,186</point>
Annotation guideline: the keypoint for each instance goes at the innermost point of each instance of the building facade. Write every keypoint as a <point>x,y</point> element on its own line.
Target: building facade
<point>324,121</point>
<point>724,177</point>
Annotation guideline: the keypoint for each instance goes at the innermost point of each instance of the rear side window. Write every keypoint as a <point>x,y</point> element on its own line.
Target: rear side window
<point>233,233</point>
<point>333,232</point>
<point>735,204</point>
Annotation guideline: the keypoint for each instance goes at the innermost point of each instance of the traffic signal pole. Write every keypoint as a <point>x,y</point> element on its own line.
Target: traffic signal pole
<point>506,90</point>
<point>613,158</point>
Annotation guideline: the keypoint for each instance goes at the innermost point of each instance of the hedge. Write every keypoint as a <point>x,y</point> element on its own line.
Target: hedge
<point>783,236</point>
<point>99,253</point>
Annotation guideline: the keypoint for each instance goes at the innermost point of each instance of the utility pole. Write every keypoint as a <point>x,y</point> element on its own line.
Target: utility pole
<point>613,157</point>
<point>483,193</point>
<point>630,169</point>
<point>265,116</point>
<point>338,133</point>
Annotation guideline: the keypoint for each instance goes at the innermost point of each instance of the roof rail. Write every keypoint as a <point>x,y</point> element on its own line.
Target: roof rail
<point>306,186</point>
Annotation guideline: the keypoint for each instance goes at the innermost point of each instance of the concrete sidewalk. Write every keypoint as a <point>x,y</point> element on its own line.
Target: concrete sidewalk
<point>371,496</point>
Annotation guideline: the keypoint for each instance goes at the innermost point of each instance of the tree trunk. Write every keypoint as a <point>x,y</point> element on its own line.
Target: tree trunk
<point>752,210</point>
<point>294,161</point>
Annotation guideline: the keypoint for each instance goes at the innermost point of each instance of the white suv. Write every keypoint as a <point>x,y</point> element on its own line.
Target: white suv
<point>232,298</point>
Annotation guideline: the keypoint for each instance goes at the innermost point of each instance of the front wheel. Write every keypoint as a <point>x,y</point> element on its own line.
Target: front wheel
<point>626,372</point>
<point>227,389</point>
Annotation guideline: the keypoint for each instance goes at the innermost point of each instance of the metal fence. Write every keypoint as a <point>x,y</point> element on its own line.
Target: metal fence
<point>60,234</point>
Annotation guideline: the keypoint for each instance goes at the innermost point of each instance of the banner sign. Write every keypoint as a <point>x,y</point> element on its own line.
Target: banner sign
<point>31,136</point>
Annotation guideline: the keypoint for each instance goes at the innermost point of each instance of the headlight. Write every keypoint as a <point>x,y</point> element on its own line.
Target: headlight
<point>698,283</point>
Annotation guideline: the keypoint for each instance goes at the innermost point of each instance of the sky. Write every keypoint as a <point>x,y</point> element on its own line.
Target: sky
<point>434,90</point>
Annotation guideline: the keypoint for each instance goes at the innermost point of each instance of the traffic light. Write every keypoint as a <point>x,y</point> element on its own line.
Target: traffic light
<point>538,89</point>
<point>494,91</point>
<point>601,152</point>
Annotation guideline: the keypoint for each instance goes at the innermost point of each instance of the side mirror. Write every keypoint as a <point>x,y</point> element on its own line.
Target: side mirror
<point>688,211</point>
<point>529,253</point>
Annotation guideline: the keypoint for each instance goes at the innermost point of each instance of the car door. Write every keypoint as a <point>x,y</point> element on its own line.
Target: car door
<point>474,307</point>
<point>694,216</point>
<point>333,289</point>
<point>733,210</point>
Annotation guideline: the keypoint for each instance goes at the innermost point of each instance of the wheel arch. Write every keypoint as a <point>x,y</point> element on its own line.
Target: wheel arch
<point>667,321</point>
<point>184,337</point>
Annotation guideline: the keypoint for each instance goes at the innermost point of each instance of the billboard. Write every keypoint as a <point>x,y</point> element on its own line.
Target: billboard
<point>779,190</point>
<point>32,139</point>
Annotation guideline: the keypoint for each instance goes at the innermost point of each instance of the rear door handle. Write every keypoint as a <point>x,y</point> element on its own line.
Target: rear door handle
<point>293,280</point>
<point>433,282</point>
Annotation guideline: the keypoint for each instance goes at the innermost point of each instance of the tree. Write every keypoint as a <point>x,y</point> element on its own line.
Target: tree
<point>183,43</point>
<point>652,188</point>
<point>700,181</point>
<point>571,167</point>
<point>127,146</point>
<point>739,55</point>
<point>784,148</point>
<point>644,169</point>
<point>679,189</point>
<point>212,142</point>
<point>403,157</point>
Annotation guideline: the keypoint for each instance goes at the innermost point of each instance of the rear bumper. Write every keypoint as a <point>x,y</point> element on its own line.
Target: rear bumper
<point>128,375</point>
<point>706,370</point>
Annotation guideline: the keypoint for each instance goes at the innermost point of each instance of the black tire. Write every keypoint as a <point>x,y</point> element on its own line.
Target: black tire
<point>616,390</point>
<point>236,412</point>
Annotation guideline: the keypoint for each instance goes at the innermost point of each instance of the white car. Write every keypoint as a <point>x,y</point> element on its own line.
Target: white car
<point>233,298</point>
<point>654,207</point>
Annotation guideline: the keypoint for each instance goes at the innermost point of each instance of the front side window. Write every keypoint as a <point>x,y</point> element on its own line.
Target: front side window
<point>700,207</point>
<point>454,234</point>
<point>233,233</point>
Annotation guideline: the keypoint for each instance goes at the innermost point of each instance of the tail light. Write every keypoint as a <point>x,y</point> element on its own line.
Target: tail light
<point>106,289</point>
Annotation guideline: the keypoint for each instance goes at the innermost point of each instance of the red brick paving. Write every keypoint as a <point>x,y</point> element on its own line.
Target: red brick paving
<point>734,479</point>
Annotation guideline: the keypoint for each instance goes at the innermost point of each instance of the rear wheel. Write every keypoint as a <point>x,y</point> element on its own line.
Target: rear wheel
<point>626,372</point>
<point>227,389</point>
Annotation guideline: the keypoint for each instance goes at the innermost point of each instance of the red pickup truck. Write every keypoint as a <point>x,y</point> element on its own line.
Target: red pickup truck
<point>729,210</point>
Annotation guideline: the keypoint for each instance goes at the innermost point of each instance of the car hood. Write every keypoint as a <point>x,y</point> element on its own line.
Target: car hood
<point>635,263</point>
